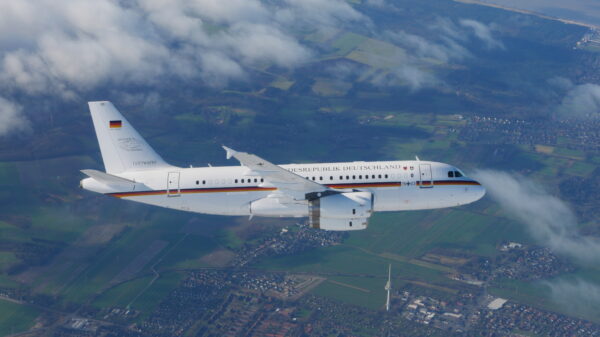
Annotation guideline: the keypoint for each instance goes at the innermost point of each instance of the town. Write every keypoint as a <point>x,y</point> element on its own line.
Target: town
<point>238,300</point>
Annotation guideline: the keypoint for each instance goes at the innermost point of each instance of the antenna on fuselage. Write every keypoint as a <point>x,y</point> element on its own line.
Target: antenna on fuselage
<point>417,158</point>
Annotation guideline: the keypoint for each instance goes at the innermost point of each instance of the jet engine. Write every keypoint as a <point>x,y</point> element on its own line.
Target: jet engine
<point>341,211</point>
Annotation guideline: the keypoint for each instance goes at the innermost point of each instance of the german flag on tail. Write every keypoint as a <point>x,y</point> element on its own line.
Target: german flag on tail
<point>115,124</point>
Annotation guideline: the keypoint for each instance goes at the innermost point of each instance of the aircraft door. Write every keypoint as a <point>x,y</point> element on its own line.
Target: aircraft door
<point>173,184</point>
<point>425,176</point>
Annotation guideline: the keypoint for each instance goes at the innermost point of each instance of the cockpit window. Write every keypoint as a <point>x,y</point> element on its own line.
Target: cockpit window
<point>457,174</point>
<point>450,174</point>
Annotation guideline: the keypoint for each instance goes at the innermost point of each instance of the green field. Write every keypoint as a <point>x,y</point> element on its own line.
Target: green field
<point>15,317</point>
<point>367,292</point>
<point>117,257</point>
<point>187,253</point>
<point>412,234</point>
<point>150,298</point>
<point>139,294</point>
<point>122,294</point>
<point>405,236</point>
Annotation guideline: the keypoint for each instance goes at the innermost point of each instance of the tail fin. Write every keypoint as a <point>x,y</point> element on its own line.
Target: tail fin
<point>122,148</point>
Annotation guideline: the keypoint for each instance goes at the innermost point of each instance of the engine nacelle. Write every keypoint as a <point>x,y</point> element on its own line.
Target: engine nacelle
<point>273,207</point>
<point>341,211</point>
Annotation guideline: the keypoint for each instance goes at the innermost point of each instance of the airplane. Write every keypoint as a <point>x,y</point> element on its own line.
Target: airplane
<point>334,196</point>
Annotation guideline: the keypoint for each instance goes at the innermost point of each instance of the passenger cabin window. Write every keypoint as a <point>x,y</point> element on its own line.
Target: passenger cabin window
<point>380,176</point>
<point>457,174</point>
<point>262,180</point>
<point>450,174</point>
<point>242,181</point>
<point>386,176</point>
<point>373,176</point>
<point>236,181</point>
<point>330,178</point>
<point>203,182</point>
<point>341,177</point>
<point>197,182</point>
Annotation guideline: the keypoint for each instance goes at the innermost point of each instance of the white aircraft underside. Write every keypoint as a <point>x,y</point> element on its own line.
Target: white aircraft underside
<point>335,196</point>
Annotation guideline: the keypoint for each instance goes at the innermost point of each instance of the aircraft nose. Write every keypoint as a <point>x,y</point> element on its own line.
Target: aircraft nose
<point>478,192</point>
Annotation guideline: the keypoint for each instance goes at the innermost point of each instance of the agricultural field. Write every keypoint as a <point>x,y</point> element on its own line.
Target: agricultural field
<point>15,317</point>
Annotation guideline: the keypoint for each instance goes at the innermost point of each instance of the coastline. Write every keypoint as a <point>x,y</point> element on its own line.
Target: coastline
<point>528,12</point>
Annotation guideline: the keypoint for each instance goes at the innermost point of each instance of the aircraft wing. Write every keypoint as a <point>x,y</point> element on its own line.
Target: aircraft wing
<point>286,182</point>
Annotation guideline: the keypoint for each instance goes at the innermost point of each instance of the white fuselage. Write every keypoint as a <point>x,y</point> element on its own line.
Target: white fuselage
<point>395,185</point>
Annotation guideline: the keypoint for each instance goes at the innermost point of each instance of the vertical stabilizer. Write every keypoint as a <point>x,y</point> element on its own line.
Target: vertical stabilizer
<point>122,147</point>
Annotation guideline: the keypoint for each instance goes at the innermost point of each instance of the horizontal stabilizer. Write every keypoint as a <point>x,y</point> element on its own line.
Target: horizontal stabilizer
<point>106,178</point>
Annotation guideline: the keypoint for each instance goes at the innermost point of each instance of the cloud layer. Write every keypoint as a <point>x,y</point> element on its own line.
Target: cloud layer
<point>446,42</point>
<point>577,295</point>
<point>483,33</point>
<point>12,119</point>
<point>548,219</point>
<point>69,46</point>
<point>72,46</point>
<point>581,102</point>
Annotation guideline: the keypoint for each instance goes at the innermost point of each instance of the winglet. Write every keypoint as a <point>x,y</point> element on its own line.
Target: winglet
<point>230,152</point>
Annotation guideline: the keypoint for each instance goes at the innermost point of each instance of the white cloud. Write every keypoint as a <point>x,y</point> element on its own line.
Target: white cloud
<point>448,49</point>
<point>217,68</point>
<point>446,27</point>
<point>68,48</point>
<point>258,42</point>
<point>444,43</point>
<point>561,83</point>
<point>483,33</point>
<point>580,101</point>
<point>76,45</point>
<point>11,118</point>
<point>377,3</point>
<point>408,75</point>
<point>71,46</point>
<point>319,12</point>
<point>578,296</point>
<point>547,218</point>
